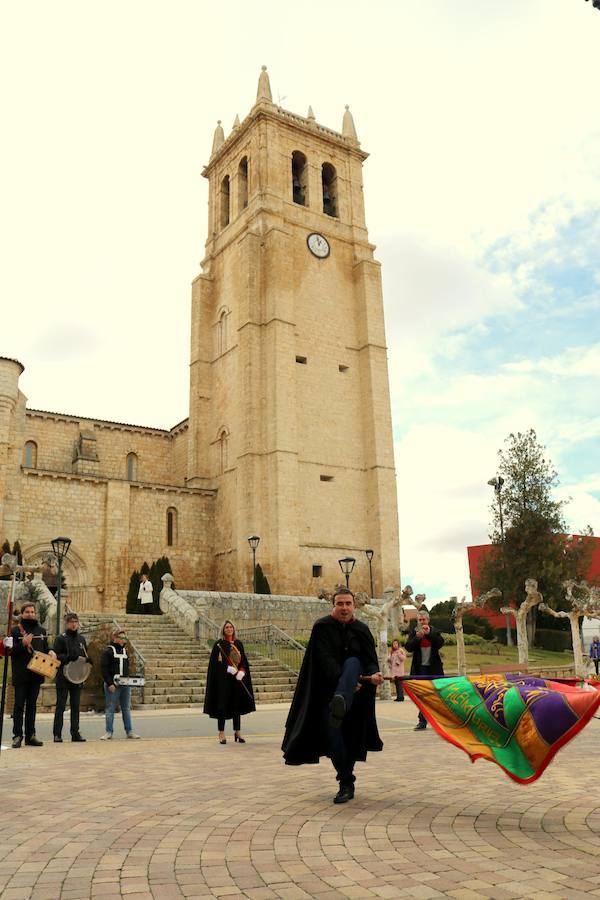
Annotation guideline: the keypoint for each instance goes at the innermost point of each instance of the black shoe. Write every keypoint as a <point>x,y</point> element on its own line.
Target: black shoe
<point>337,711</point>
<point>239,739</point>
<point>420,727</point>
<point>58,739</point>
<point>16,742</point>
<point>33,742</point>
<point>345,793</point>
<point>77,739</point>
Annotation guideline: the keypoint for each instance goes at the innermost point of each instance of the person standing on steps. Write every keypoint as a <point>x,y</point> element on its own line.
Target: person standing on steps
<point>424,644</point>
<point>115,665</point>
<point>69,647</point>
<point>145,595</point>
<point>229,693</point>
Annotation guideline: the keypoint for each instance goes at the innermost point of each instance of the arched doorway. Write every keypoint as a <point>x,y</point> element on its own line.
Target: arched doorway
<point>76,592</point>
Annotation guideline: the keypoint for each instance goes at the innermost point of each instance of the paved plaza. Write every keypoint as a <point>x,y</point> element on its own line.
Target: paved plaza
<point>181,816</point>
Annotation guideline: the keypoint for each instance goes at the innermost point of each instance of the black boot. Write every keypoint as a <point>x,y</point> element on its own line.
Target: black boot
<point>345,793</point>
<point>77,739</point>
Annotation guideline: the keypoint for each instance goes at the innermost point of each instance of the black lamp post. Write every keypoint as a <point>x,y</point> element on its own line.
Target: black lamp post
<point>497,483</point>
<point>254,541</point>
<point>60,548</point>
<point>370,554</point>
<point>346,565</point>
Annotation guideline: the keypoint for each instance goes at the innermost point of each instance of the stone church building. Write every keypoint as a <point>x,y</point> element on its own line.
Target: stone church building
<point>289,433</point>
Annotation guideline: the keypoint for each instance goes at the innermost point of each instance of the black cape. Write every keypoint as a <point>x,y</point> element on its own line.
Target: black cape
<point>225,695</point>
<point>306,736</point>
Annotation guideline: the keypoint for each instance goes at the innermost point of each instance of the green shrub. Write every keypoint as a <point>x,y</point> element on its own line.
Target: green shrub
<point>549,639</point>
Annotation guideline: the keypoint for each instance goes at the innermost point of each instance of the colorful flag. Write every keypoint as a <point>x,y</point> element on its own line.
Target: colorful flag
<point>517,721</point>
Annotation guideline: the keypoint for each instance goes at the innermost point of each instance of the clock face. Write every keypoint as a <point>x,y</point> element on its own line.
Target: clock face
<point>318,245</point>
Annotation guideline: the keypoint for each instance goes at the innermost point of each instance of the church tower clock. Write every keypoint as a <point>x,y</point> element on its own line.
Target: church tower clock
<point>289,398</point>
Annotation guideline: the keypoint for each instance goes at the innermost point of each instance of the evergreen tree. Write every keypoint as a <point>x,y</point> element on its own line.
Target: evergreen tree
<point>262,582</point>
<point>132,592</point>
<point>528,532</point>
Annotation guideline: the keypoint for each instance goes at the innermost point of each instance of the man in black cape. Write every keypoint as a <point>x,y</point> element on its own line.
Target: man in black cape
<point>333,710</point>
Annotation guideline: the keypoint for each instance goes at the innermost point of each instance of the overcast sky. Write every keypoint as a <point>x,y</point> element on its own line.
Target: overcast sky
<point>482,192</point>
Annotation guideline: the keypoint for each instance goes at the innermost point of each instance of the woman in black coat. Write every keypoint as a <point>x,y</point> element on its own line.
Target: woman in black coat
<point>229,693</point>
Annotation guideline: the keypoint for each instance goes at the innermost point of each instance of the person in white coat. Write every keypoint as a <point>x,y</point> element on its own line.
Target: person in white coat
<point>145,595</point>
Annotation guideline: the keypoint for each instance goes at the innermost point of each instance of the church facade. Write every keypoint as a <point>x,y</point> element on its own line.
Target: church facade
<point>289,433</point>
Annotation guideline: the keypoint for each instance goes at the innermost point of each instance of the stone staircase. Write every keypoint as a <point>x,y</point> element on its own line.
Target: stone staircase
<point>176,665</point>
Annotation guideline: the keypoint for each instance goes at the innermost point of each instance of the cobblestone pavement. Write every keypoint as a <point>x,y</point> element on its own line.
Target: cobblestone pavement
<point>185,817</point>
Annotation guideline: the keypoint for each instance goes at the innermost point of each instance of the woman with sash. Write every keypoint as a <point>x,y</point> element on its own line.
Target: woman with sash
<point>229,693</point>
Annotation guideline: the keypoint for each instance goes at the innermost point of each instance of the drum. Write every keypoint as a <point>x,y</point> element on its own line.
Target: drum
<point>43,664</point>
<point>77,670</point>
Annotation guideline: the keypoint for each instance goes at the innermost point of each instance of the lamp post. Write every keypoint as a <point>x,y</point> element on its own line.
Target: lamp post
<point>370,554</point>
<point>497,483</point>
<point>254,541</point>
<point>346,565</point>
<point>60,548</point>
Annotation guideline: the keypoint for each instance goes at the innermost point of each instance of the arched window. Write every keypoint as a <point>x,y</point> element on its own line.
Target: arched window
<point>171,526</point>
<point>225,202</point>
<point>132,461</point>
<point>243,184</point>
<point>223,451</point>
<point>222,333</point>
<point>330,194</point>
<point>299,178</point>
<point>30,455</point>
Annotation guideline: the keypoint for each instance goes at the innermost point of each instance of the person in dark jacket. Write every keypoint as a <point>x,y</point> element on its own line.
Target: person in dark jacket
<point>114,662</point>
<point>28,637</point>
<point>68,646</point>
<point>229,693</point>
<point>424,643</point>
<point>333,710</point>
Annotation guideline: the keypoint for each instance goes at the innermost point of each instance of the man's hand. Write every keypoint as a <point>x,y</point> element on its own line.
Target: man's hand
<point>112,688</point>
<point>27,639</point>
<point>231,670</point>
<point>52,654</point>
<point>425,629</point>
<point>419,634</point>
<point>240,675</point>
<point>8,642</point>
<point>377,678</point>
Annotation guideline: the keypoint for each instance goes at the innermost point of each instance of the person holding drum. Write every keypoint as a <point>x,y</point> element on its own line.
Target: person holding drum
<point>71,650</point>
<point>229,693</point>
<point>28,637</point>
<point>115,665</point>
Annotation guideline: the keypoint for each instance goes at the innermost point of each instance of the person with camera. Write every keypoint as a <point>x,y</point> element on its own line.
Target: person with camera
<point>70,646</point>
<point>424,643</point>
<point>28,636</point>
<point>115,665</point>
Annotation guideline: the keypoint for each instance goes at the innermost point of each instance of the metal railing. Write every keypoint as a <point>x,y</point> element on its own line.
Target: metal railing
<point>272,642</point>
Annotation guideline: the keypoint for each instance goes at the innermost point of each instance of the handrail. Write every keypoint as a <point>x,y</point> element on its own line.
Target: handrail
<point>272,642</point>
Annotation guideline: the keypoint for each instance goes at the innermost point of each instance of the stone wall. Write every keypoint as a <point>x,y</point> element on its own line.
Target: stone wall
<point>294,615</point>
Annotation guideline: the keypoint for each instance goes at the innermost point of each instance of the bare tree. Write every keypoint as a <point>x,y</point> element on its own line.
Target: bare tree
<point>585,601</point>
<point>532,598</point>
<point>457,616</point>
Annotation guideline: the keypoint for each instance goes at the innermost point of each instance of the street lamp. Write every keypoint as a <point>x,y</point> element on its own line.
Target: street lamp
<point>497,483</point>
<point>370,554</point>
<point>346,565</point>
<point>254,541</point>
<point>60,548</point>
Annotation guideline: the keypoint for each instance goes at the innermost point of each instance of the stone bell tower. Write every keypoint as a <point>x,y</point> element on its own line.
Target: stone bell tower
<point>289,397</point>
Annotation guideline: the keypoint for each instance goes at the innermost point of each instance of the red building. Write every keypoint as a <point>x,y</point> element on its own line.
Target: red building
<point>478,553</point>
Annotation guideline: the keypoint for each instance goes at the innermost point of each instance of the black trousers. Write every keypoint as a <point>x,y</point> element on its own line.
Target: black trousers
<point>399,689</point>
<point>237,722</point>
<point>73,693</point>
<point>424,670</point>
<point>26,694</point>
<point>342,759</point>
